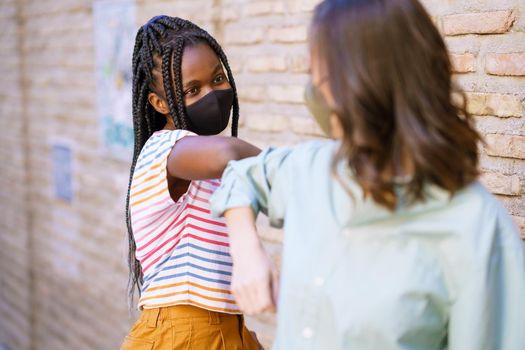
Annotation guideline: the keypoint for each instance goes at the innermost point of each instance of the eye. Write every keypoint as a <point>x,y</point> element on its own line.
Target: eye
<point>192,91</point>
<point>219,79</point>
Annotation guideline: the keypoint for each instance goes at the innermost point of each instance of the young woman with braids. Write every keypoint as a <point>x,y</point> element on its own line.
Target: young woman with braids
<point>178,254</point>
<point>390,242</point>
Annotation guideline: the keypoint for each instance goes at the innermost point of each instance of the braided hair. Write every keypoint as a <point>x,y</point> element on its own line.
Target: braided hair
<point>158,50</point>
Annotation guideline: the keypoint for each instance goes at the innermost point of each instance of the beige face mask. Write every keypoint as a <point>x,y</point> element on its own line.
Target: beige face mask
<point>318,107</point>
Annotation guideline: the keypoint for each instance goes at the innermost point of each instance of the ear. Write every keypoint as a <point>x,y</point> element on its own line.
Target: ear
<point>335,127</point>
<point>158,103</point>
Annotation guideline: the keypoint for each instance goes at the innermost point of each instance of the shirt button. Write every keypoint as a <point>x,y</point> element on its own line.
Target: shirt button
<point>319,281</point>
<point>307,332</point>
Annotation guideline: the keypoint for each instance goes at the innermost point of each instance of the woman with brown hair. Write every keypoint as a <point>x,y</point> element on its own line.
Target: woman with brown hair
<point>390,242</point>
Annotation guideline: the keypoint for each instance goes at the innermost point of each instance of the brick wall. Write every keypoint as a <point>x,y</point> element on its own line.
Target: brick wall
<point>62,265</point>
<point>487,45</point>
<point>15,239</point>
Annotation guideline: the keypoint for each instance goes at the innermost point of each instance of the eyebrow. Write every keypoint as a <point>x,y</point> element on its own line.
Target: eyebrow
<point>193,82</point>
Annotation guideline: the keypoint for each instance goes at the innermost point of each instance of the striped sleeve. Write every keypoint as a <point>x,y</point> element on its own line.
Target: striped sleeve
<point>149,194</point>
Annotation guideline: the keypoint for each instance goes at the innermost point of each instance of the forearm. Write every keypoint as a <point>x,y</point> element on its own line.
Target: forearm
<point>242,230</point>
<point>206,157</point>
<point>254,281</point>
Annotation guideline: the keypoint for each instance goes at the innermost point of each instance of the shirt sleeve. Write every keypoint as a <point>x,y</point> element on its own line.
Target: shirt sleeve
<point>154,156</point>
<point>489,312</point>
<point>149,186</point>
<point>261,183</point>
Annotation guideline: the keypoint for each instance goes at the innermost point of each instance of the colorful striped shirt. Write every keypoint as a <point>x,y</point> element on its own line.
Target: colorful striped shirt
<point>182,249</point>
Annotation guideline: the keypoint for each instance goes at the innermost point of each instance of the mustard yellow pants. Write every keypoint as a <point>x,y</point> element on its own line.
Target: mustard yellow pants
<point>188,327</point>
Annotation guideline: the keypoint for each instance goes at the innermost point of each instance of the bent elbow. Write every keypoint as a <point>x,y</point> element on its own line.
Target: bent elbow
<point>225,153</point>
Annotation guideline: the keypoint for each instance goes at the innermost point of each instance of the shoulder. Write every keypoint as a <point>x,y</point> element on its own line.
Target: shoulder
<point>312,154</point>
<point>162,137</point>
<point>302,158</point>
<point>480,202</point>
<point>160,144</point>
<point>488,228</point>
<point>316,148</point>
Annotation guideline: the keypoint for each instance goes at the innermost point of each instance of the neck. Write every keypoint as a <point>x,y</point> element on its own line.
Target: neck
<point>170,125</point>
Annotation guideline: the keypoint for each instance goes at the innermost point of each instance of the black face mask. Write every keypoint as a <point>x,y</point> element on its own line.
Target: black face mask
<point>210,114</point>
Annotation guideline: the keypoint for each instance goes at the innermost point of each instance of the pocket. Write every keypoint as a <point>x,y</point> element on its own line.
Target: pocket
<point>132,343</point>
<point>215,339</point>
<point>250,340</point>
<point>181,331</point>
<point>205,337</point>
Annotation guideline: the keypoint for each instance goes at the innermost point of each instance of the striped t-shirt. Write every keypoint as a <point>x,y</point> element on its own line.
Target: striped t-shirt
<point>182,249</point>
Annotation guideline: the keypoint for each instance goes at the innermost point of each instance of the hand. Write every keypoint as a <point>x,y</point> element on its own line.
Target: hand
<point>254,280</point>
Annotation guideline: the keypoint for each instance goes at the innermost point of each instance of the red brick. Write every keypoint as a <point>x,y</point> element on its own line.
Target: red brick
<point>267,122</point>
<point>505,63</point>
<point>252,93</point>
<point>508,146</point>
<point>303,5</point>
<point>306,125</point>
<point>263,8</point>
<point>494,22</point>
<point>299,63</point>
<point>265,64</point>
<point>498,183</point>
<point>463,63</point>
<point>286,93</point>
<point>234,35</point>
<point>502,105</point>
<point>288,34</point>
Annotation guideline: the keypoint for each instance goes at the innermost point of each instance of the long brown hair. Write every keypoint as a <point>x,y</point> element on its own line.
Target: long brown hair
<point>390,76</point>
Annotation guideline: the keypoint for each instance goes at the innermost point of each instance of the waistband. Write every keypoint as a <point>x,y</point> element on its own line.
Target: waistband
<point>153,316</point>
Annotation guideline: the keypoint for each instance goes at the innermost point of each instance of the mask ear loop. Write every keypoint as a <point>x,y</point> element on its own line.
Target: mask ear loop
<point>318,107</point>
<point>333,109</point>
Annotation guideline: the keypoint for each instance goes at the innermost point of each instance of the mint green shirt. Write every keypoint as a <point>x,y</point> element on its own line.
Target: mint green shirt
<point>448,273</point>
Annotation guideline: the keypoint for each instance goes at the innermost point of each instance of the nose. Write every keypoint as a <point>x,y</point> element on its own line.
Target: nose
<point>207,89</point>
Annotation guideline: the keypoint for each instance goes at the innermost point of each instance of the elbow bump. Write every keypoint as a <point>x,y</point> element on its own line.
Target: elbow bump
<point>225,154</point>
<point>229,152</point>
